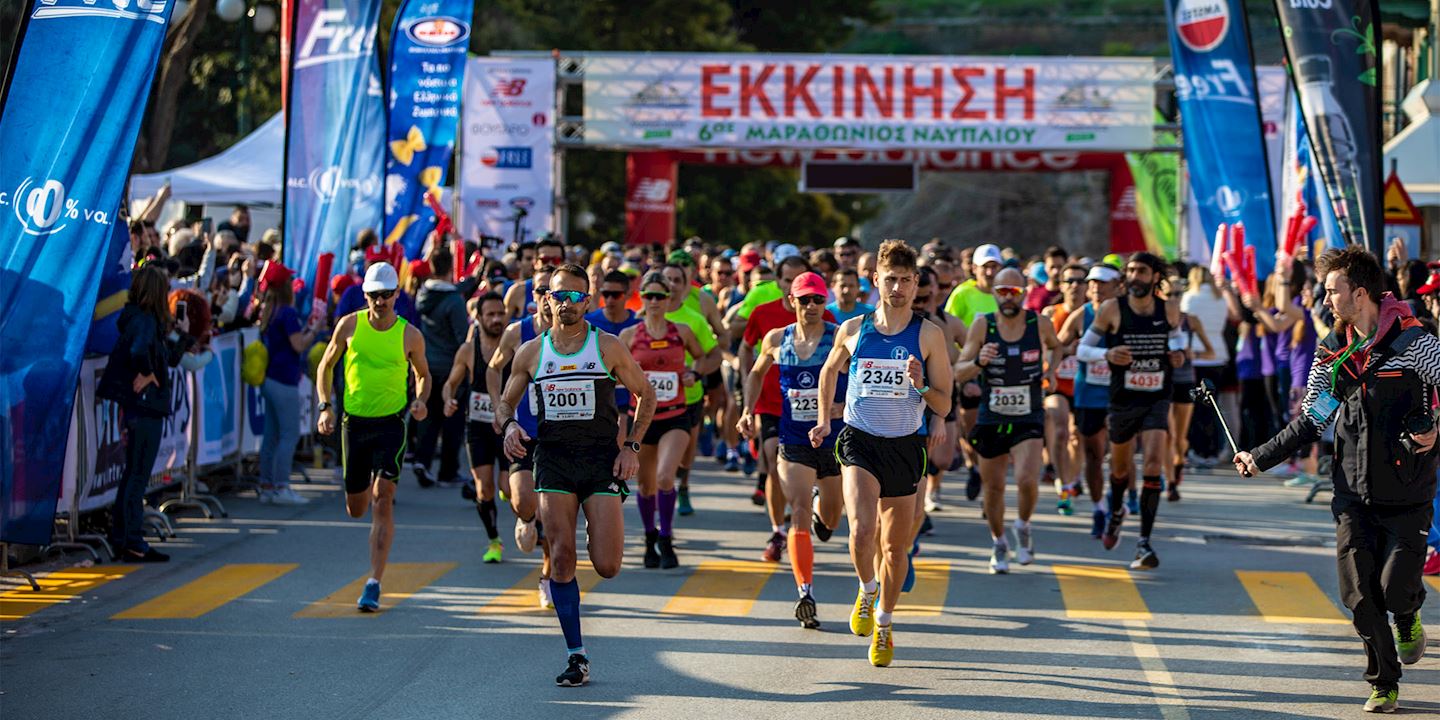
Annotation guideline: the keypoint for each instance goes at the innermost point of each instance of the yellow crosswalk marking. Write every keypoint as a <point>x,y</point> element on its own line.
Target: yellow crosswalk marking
<point>522,596</point>
<point>1289,597</point>
<point>932,585</point>
<point>401,581</point>
<point>200,596</point>
<point>1093,592</point>
<point>722,588</point>
<point>1433,582</point>
<point>58,587</point>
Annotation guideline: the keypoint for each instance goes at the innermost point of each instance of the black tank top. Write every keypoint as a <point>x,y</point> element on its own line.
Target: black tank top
<point>1148,377</point>
<point>1011,384</point>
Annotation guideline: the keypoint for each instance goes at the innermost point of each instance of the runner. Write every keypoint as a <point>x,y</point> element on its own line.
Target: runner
<point>683,314</point>
<point>1005,350</point>
<point>893,358</point>
<point>971,299</point>
<point>1182,407</point>
<point>484,443</point>
<point>847,296</point>
<point>578,464</point>
<point>377,346</point>
<point>939,456</point>
<point>799,351</point>
<point>1092,389</point>
<point>520,297</point>
<point>714,395</point>
<point>1141,332</point>
<point>661,348</point>
<point>1060,444</point>
<point>523,500</point>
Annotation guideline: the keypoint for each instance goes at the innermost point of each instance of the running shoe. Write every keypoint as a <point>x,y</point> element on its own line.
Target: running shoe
<point>862,618</point>
<point>1048,477</point>
<point>577,672</point>
<point>775,548</point>
<point>422,475</point>
<point>999,560</point>
<point>504,497</point>
<point>932,502</point>
<point>909,583</point>
<point>1303,480</point>
<point>494,552</point>
<point>882,647</point>
<point>370,597</point>
<point>1065,506</point>
<point>805,613</point>
<point>956,462</point>
<point>1024,545</point>
<point>747,461</point>
<point>1432,562</point>
<point>682,502</point>
<point>288,496</point>
<point>467,492</point>
<point>1111,537</point>
<point>817,525</point>
<point>1145,557</point>
<point>1173,493</point>
<point>972,486</point>
<point>1132,501</point>
<point>652,553</point>
<point>1382,701</point>
<point>667,553</point>
<point>525,535</point>
<point>1410,639</point>
<point>927,528</point>
<point>732,462</point>
<point>722,451</point>
<point>707,440</point>
<point>547,601</point>
<point>1097,522</point>
<point>757,498</point>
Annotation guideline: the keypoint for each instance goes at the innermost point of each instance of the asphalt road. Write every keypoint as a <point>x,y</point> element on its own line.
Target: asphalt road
<point>254,617</point>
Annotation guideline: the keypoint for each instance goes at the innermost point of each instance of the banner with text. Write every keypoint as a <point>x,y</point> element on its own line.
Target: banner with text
<point>72,108</point>
<point>507,173</point>
<point>334,134</point>
<point>427,66</point>
<point>869,101</point>
<point>650,179</point>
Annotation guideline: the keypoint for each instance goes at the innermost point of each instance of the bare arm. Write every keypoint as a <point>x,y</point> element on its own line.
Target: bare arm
<point>339,341</point>
<point>711,311</point>
<point>1051,341</point>
<point>459,369</point>
<point>755,379</point>
<point>968,366</point>
<point>830,377</point>
<point>1199,331</point>
<point>521,372</point>
<point>509,340</point>
<point>515,300</point>
<point>623,366</point>
<point>415,349</point>
<point>940,378</point>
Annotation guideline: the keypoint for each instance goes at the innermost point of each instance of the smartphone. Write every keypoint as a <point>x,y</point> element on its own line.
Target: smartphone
<point>207,225</point>
<point>180,308</point>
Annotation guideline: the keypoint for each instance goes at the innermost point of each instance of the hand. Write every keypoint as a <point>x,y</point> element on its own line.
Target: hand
<point>142,381</point>
<point>937,437</point>
<point>1177,358</point>
<point>916,371</point>
<point>746,425</point>
<point>818,435</point>
<point>1424,441</point>
<point>627,463</point>
<point>1118,355</point>
<point>1052,378</point>
<point>515,439</point>
<point>1245,463</point>
<point>451,406</point>
<point>251,268</point>
<point>989,352</point>
<point>1249,301</point>
<point>688,378</point>
<point>326,422</point>
<point>418,409</point>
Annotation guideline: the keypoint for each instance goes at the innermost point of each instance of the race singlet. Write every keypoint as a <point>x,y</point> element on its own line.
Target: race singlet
<point>1069,368</point>
<point>1152,381</point>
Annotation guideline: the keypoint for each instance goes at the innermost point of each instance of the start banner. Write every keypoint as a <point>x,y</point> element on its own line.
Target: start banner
<point>869,101</point>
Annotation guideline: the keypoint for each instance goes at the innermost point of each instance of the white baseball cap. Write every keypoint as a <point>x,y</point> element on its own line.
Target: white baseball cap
<point>784,251</point>
<point>380,276</point>
<point>1103,273</point>
<point>987,254</point>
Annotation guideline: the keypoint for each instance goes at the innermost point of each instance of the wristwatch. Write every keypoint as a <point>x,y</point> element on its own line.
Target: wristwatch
<point>633,446</point>
<point>322,407</point>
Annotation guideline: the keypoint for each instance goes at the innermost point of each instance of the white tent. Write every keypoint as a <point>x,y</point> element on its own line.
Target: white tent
<point>250,172</point>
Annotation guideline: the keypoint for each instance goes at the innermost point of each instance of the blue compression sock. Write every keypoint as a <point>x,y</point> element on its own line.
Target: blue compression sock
<point>567,608</point>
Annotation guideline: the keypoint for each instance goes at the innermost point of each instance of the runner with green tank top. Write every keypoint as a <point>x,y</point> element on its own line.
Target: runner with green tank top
<point>379,349</point>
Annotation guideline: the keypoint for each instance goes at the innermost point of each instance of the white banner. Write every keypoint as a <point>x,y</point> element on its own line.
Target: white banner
<point>217,394</point>
<point>869,101</point>
<point>506,148</point>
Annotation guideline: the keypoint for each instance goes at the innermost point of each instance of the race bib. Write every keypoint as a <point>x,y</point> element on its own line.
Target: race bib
<point>666,384</point>
<point>1151,381</point>
<point>481,409</point>
<point>805,405</point>
<point>569,399</point>
<point>1010,400</point>
<point>1097,373</point>
<point>1069,368</point>
<point>883,378</point>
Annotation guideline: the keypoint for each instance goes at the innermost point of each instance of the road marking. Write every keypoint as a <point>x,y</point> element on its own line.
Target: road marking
<point>932,585</point>
<point>1162,684</point>
<point>202,595</point>
<point>722,588</point>
<point>58,587</point>
<point>401,581</point>
<point>1095,592</point>
<point>1289,597</point>
<point>1433,582</point>
<point>523,596</point>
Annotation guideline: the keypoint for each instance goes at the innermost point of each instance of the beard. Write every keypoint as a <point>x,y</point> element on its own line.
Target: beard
<point>493,331</point>
<point>1009,310</point>
<point>1139,289</point>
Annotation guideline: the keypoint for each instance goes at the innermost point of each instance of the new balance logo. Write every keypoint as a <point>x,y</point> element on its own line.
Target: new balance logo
<point>651,190</point>
<point>510,88</point>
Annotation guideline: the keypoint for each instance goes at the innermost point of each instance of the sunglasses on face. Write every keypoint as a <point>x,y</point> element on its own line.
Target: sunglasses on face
<point>1073,280</point>
<point>806,300</point>
<point>541,291</point>
<point>551,260</point>
<point>612,294</point>
<point>1008,292</point>
<point>654,296</point>
<point>574,297</point>
<point>381,295</point>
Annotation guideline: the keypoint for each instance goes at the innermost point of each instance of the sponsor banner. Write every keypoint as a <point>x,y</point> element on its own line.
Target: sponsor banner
<point>427,67</point>
<point>869,101</point>
<point>176,430</point>
<point>1301,182</point>
<point>650,180</point>
<point>114,291</point>
<point>68,129</point>
<point>217,395</point>
<point>1156,177</point>
<point>951,160</point>
<point>335,133</point>
<point>1274,86</point>
<point>1331,48</point>
<point>1126,235</point>
<point>1219,101</point>
<point>507,177</point>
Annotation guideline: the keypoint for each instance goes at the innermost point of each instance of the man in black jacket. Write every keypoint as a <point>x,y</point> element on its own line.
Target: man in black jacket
<point>1374,377</point>
<point>445,325</point>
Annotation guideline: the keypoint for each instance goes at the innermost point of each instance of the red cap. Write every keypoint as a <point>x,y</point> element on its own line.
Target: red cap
<point>748,260</point>
<point>273,272</point>
<point>420,269</point>
<point>1431,285</point>
<point>340,283</point>
<point>808,283</point>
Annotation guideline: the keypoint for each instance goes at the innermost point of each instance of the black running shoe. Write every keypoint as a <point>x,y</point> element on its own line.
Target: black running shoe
<point>652,554</point>
<point>577,672</point>
<point>667,553</point>
<point>972,486</point>
<point>1145,557</point>
<point>927,527</point>
<point>422,475</point>
<point>821,531</point>
<point>467,492</point>
<point>805,613</point>
<point>1111,537</point>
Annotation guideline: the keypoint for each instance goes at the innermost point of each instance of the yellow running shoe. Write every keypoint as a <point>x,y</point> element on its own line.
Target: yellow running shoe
<point>882,647</point>
<point>495,551</point>
<point>862,619</point>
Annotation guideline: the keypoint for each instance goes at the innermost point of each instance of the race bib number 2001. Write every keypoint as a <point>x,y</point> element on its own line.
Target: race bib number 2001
<point>883,378</point>
<point>569,399</point>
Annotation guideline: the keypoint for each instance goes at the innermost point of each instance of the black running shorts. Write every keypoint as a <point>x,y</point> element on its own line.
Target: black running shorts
<point>658,428</point>
<point>769,428</point>
<point>1090,421</point>
<point>821,460</point>
<point>712,381</point>
<point>1127,422</point>
<point>370,448</point>
<point>579,470</point>
<point>486,448</point>
<point>898,463</point>
<point>992,441</point>
<point>695,414</point>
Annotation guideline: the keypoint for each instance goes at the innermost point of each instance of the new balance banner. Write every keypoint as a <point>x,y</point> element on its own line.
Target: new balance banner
<point>507,177</point>
<point>650,179</point>
<point>70,116</point>
<point>1220,118</point>
<point>334,134</point>
<point>1331,48</point>
<point>427,67</point>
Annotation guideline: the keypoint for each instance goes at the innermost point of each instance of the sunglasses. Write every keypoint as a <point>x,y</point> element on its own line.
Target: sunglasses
<point>574,297</point>
<point>548,260</point>
<point>612,294</point>
<point>806,300</point>
<point>654,296</point>
<point>541,291</point>
<point>1073,281</point>
<point>1008,291</point>
<point>381,295</point>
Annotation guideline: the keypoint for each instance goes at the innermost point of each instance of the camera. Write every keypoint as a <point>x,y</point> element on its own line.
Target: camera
<point>1418,422</point>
